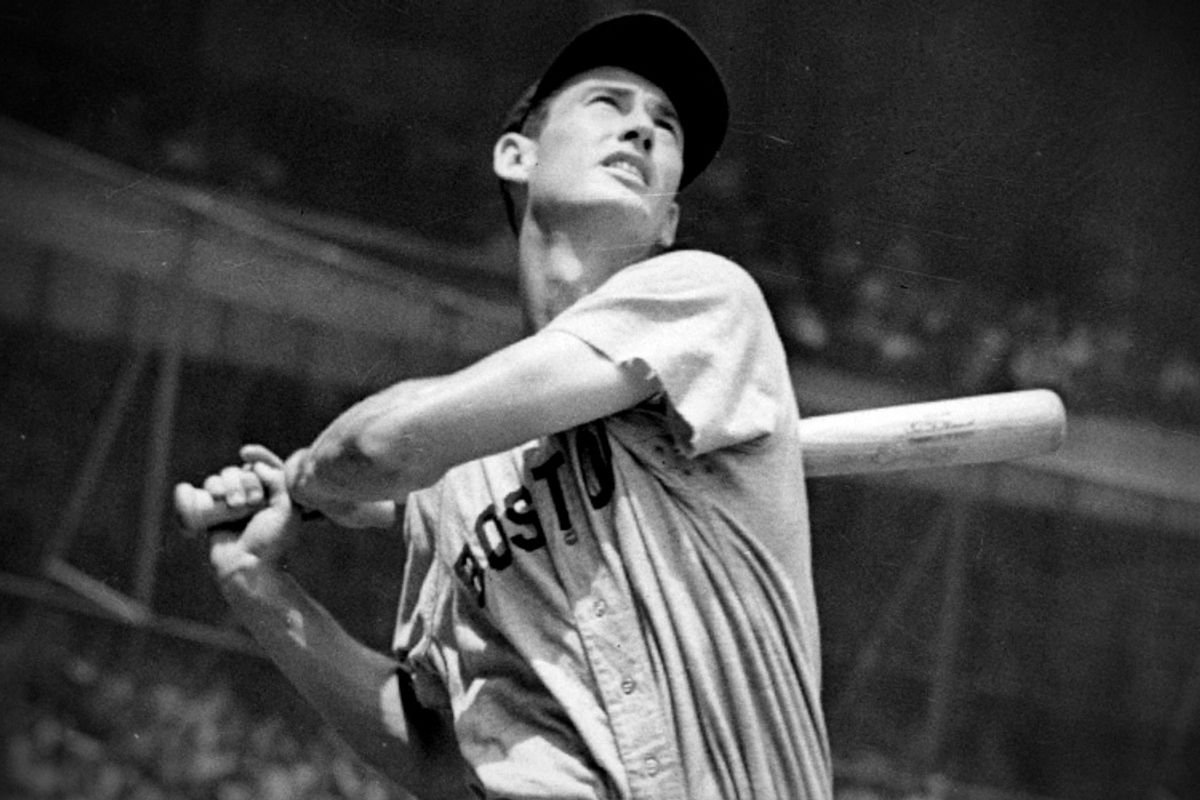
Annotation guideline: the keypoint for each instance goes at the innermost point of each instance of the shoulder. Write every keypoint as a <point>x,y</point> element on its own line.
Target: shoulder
<point>695,270</point>
<point>700,262</point>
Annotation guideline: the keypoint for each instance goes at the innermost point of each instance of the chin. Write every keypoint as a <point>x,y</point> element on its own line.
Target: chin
<point>628,208</point>
<point>603,205</point>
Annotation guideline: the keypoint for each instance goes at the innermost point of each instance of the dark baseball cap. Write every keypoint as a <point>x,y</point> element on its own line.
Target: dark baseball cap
<point>662,51</point>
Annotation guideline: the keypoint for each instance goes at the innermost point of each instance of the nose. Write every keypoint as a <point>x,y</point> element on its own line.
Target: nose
<point>640,131</point>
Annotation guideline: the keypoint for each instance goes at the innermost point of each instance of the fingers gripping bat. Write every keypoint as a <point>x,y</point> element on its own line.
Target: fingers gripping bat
<point>940,433</point>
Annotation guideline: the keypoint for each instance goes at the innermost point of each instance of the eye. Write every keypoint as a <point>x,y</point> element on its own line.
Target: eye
<point>604,97</point>
<point>669,125</point>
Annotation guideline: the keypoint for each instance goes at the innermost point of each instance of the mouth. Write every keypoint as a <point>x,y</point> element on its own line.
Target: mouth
<point>628,166</point>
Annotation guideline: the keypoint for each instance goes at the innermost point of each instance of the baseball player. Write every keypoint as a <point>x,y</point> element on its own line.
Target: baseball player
<point>607,589</point>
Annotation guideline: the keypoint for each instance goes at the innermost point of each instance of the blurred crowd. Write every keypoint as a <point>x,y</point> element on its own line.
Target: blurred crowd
<point>950,335</point>
<point>166,730</point>
<point>174,728</point>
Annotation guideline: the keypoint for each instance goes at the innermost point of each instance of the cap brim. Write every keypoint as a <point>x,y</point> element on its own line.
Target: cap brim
<point>663,52</point>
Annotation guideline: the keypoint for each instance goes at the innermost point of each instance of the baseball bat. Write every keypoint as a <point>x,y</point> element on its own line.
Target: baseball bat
<point>940,433</point>
<point>197,510</point>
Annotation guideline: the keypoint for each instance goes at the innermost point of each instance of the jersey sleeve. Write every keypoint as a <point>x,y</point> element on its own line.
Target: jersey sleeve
<point>422,596</point>
<point>698,325</point>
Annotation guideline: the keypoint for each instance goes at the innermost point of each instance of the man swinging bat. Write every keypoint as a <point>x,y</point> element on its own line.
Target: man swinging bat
<point>607,590</point>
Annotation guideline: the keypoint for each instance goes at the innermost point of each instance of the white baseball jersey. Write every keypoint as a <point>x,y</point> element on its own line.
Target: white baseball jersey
<point>625,610</point>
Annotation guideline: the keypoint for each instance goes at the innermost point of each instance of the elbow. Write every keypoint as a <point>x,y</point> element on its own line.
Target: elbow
<point>397,462</point>
<point>351,468</point>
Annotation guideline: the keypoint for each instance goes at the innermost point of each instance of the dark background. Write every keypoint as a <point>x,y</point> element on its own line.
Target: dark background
<point>1026,166</point>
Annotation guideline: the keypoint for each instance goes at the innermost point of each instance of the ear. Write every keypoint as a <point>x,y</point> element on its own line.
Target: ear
<point>513,157</point>
<point>666,234</point>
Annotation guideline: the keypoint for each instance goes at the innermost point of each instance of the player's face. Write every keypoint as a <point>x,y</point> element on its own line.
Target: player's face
<point>611,141</point>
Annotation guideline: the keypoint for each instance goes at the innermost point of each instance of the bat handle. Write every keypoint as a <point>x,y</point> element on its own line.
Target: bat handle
<point>197,510</point>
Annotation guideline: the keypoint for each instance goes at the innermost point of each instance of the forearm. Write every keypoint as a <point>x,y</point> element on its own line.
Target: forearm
<point>353,687</point>
<point>405,437</point>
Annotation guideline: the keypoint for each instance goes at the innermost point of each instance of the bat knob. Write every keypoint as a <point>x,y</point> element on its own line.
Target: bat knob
<point>196,510</point>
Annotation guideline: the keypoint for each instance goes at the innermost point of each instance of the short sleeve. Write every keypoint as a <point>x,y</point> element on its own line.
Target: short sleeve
<point>698,324</point>
<point>421,598</point>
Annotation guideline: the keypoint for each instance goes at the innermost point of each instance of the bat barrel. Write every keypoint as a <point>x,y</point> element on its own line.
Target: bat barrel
<point>965,430</point>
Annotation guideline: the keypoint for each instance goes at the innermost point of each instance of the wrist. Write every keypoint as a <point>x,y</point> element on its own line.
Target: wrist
<point>297,475</point>
<point>247,575</point>
<point>231,559</point>
<point>230,563</point>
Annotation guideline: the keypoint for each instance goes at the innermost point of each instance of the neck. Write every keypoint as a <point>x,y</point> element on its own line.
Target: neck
<point>560,266</point>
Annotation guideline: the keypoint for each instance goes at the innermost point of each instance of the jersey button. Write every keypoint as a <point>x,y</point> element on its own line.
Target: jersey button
<point>600,608</point>
<point>651,766</point>
<point>628,685</point>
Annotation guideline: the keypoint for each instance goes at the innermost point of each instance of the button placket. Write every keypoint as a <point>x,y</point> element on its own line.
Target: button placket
<point>611,636</point>
<point>620,657</point>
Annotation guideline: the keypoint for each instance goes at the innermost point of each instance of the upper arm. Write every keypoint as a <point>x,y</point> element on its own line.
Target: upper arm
<point>699,325</point>
<point>357,690</point>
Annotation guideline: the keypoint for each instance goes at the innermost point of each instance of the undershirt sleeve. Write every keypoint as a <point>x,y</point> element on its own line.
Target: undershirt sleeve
<point>698,325</point>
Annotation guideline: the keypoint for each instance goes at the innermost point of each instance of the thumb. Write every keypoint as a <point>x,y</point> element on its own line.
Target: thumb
<point>272,477</point>
<point>257,454</point>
